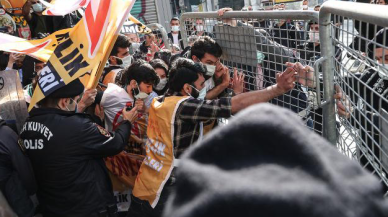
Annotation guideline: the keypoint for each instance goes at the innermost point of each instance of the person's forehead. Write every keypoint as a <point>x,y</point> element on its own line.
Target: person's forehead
<point>211,57</point>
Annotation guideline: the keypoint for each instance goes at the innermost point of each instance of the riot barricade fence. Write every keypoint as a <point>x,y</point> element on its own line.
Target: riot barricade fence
<point>357,31</point>
<point>259,44</point>
<point>345,98</point>
<point>161,33</point>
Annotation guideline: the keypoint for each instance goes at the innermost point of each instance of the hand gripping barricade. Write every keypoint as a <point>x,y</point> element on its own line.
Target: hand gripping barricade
<point>260,43</point>
<point>360,77</point>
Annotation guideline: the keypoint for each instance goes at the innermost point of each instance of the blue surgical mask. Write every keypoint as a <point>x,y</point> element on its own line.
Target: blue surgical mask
<point>37,7</point>
<point>202,93</point>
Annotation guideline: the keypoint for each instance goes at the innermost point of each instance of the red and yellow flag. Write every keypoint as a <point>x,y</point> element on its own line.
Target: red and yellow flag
<point>82,49</point>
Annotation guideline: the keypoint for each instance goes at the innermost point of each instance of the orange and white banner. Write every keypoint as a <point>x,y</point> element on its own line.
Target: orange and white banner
<point>83,48</point>
<point>42,49</point>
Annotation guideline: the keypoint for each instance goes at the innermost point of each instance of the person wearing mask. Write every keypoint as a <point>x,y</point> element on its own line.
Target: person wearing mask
<point>17,180</point>
<point>266,163</point>
<point>369,91</point>
<point>200,29</point>
<point>175,34</point>
<point>135,42</point>
<point>208,52</point>
<point>35,19</point>
<point>175,124</point>
<point>119,59</point>
<point>161,70</point>
<point>133,87</point>
<point>66,149</point>
<point>305,5</point>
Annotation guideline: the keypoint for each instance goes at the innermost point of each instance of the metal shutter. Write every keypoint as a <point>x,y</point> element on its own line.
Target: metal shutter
<point>145,11</point>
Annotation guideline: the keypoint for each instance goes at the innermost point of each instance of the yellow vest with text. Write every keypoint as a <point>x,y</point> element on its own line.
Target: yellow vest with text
<point>159,161</point>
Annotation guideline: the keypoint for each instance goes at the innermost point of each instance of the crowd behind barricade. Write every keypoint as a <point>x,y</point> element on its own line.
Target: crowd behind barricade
<point>115,150</point>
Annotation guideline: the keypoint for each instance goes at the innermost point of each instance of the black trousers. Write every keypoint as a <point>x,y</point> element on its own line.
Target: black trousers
<point>141,208</point>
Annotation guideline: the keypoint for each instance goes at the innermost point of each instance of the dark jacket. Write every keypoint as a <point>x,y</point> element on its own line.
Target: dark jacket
<point>179,38</point>
<point>66,152</point>
<point>17,181</point>
<point>285,35</point>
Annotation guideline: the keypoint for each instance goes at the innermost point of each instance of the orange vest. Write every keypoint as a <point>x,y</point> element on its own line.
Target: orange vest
<point>159,161</point>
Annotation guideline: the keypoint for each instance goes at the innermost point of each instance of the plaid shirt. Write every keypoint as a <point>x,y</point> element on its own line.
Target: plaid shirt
<point>190,114</point>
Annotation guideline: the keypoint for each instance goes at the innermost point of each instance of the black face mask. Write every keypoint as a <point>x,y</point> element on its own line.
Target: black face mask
<point>194,93</point>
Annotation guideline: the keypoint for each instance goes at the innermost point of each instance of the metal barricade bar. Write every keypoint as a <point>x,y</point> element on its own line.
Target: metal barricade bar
<point>157,26</point>
<point>261,50</point>
<point>357,75</point>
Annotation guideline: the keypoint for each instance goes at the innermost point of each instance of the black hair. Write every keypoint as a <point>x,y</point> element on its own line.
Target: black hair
<point>140,71</point>
<point>174,18</point>
<point>159,64</point>
<point>164,55</point>
<point>184,71</point>
<point>205,44</point>
<point>173,59</point>
<point>316,6</point>
<point>121,42</point>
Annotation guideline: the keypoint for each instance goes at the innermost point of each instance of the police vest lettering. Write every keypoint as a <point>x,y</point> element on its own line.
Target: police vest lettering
<point>39,128</point>
<point>33,143</point>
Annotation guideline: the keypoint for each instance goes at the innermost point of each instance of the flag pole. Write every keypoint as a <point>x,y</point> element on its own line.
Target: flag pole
<point>96,74</point>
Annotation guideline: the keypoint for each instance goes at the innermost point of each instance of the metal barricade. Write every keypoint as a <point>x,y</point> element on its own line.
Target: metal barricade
<point>163,32</point>
<point>259,44</point>
<point>348,34</point>
<point>346,100</point>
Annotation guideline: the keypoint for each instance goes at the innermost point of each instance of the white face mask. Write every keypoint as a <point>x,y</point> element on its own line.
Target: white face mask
<point>199,28</point>
<point>76,106</point>
<point>162,83</point>
<point>210,70</point>
<point>314,36</point>
<point>37,7</point>
<point>175,28</point>
<point>127,61</point>
<point>383,71</point>
<point>141,95</point>
<point>202,93</point>
<point>305,7</point>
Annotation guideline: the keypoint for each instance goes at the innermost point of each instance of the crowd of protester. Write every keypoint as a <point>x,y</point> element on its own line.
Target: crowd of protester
<point>151,103</point>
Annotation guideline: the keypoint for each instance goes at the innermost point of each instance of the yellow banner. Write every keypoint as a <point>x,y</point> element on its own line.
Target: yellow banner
<point>159,161</point>
<point>84,48</point>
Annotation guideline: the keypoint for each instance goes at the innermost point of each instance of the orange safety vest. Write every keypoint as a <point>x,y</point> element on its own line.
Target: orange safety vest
<point>159,161</point>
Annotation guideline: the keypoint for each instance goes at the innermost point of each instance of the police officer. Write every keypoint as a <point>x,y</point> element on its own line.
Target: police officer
<point>67,150</point>
<point>17,181</point>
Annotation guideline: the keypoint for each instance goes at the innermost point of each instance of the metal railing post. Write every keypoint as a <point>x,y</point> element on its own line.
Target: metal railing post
<point>327,51</point>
